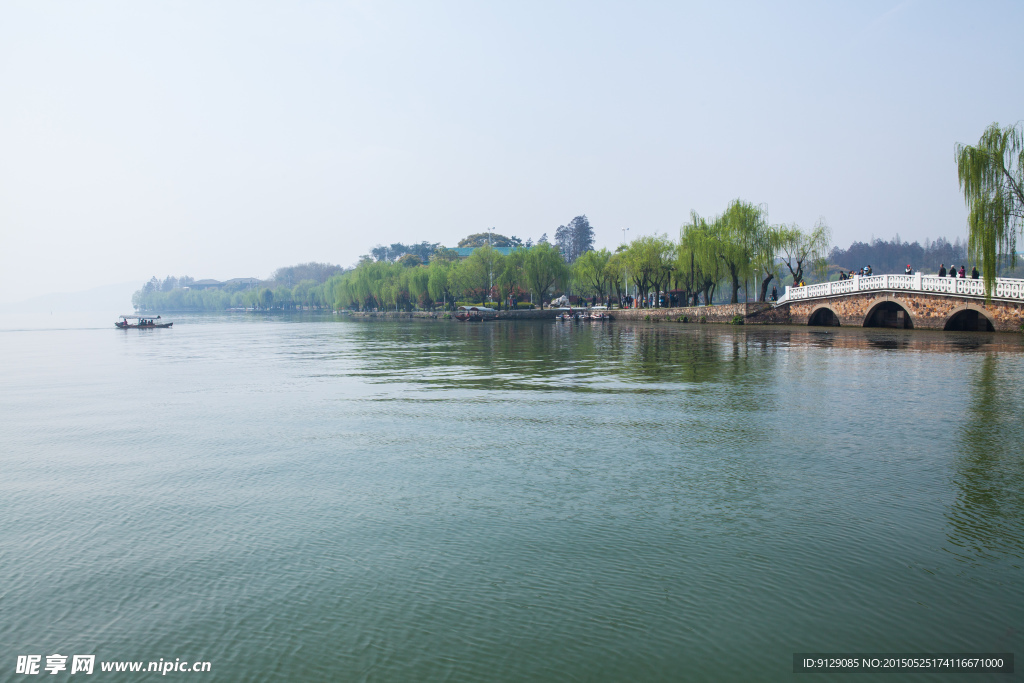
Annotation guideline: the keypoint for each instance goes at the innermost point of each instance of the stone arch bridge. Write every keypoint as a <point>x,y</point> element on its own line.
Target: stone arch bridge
<point>908,301</point>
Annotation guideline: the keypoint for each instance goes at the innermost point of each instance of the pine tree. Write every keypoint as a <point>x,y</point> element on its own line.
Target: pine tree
<point>575,239</point>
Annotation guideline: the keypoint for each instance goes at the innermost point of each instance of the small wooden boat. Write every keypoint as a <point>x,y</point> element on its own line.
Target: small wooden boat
<point>473,314</point>
<point>144,322</point>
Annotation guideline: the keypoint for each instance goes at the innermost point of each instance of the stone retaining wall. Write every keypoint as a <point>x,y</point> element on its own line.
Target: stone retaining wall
<point>528,314</point>
<point>395,315</point>
<point>927,311</point>
<point>752,313</point>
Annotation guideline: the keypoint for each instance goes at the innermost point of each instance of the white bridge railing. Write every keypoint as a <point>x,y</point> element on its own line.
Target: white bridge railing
<point>1005,288</point>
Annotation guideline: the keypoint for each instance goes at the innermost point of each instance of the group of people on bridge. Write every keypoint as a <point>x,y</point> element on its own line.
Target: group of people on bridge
<point>865,271</point>
<point>953,272</point>
<point>961,273</point>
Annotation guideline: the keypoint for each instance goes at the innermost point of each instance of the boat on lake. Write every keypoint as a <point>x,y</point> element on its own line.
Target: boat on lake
<point>144,322</point>
<point>474,314</point>
<point>586,315</point>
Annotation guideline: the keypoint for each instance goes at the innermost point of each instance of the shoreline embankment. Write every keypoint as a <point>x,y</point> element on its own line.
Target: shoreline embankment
<point>751,314</point>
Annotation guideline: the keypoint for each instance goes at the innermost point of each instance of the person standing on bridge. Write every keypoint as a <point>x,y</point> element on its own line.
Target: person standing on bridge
<point>942,270</point>
<point>974,273</point>
<point>909,271</point>
<point>963,272</point>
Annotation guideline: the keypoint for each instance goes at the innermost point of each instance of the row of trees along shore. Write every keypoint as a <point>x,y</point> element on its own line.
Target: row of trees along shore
<point>729,250</point>
<point>710,261</point>
<point>301,286</point>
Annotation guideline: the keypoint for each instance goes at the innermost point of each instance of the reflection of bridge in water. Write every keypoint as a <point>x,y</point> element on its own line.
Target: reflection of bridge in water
<point>909,301</point>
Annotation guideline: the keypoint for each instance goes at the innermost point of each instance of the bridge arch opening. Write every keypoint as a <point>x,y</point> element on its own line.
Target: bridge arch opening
<point>889,314</point>
<point>969,320</point>
<point>823,317</point>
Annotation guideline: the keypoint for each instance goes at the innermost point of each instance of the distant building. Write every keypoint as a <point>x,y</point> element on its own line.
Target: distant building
<point>464,252</point>
<point>233,284</point>
<point>239,282</point>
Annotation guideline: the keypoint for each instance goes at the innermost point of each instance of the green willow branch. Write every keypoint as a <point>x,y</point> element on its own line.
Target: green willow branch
<point>991,176</point>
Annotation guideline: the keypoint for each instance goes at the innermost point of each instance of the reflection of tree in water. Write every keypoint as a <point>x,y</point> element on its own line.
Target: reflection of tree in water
<point>556,355</point>
<point>481,355</point>
<point>986,518</point>
<point>661,353</point>
<point>822,338</point>
<point>887,340</point>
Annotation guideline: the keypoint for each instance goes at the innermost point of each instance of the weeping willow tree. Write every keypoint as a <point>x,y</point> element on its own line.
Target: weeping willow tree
<point>738,231</point>
<point>992,180</point>
<point>418,278</point>
<point>805,251</point>
<point>767,243</point>
<point>590,273</point>
<point>697,260</point>
<point>648,260</point>
<point>439,284</point>
<point>509,278</point>
<point>543,267</point>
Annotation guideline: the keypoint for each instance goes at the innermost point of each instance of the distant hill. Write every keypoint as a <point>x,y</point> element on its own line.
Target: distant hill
<point>893,256</point>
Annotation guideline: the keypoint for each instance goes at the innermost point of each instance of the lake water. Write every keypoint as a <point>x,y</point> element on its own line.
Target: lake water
<point>327,499</point>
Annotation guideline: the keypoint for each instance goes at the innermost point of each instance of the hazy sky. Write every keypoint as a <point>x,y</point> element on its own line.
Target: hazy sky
<point>225,139</point>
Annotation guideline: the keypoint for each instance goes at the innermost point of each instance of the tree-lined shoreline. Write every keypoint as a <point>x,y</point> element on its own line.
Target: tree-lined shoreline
<point>733,250</point>
<point>712,260</point>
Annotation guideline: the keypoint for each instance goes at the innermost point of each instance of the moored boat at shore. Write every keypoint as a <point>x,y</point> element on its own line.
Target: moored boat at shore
<point>145,322</point>
<point>585,315</point>
<point>474,314</point>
